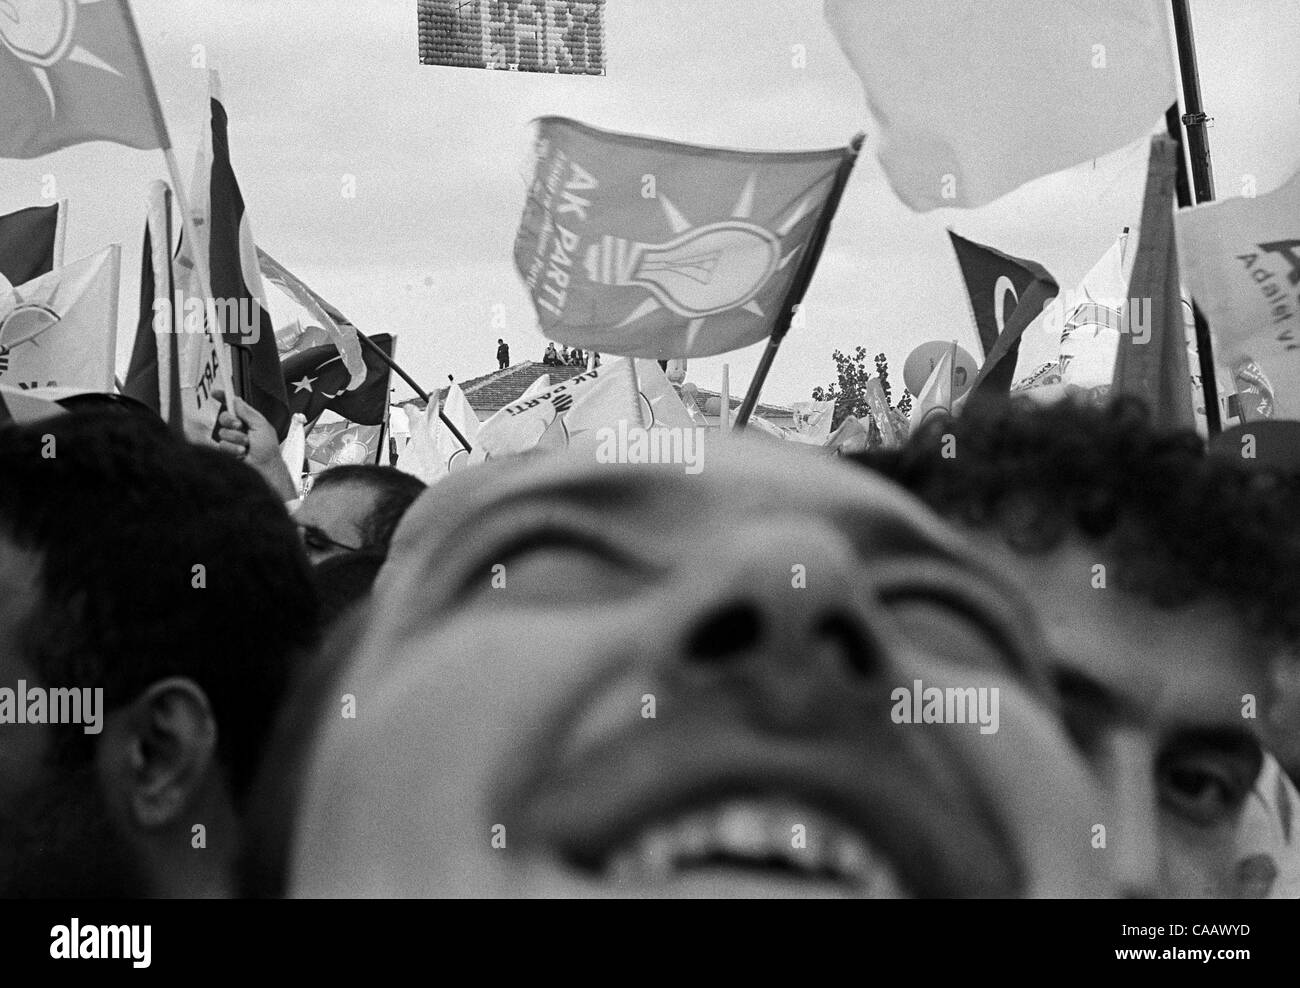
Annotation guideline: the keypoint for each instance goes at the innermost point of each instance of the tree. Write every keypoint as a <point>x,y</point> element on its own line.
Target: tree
<point>849,391</point>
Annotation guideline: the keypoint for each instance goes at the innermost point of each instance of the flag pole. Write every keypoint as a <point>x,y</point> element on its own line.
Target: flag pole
<point>178,189</point>
<point>1199,183</point>
<point>802,279</point>
<point>378,351</point>
<point>724,401</point>
<point>60,232</point>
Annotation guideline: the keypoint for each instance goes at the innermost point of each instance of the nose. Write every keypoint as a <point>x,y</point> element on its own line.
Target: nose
<point>1135,834</point>
<point>783,608</point>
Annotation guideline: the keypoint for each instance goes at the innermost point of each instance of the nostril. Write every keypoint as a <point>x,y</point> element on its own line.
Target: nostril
<point>859,649</point>
<point>731,629</point>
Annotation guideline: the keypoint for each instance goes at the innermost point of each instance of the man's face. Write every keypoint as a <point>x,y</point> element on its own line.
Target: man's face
<point>1169,706</point>
<point>333,518</point>
<point>634,681</point>
<point>55,838</point>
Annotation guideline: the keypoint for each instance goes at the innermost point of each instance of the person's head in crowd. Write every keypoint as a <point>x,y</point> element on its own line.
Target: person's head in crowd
<point>633,680</point>
<point>354,509</point>
<point>154,597</point>
<point>345,580</point>
<point>1167,582</point>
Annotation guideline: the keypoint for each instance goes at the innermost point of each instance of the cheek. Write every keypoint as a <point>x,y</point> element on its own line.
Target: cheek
<point>24,749</point>
<point>1198,862</point>
<point>446,722</point>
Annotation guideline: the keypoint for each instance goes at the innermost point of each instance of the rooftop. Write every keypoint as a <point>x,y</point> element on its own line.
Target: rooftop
<point>490,393</point>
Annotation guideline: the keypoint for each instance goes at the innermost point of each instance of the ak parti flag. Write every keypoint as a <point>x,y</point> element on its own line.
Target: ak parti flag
<point>976,99</point>
<point>61,329</point>
<point>73,71</point>
<point>343,443</point>
<point>1006,295</point>
<point>649,248</point>
<point>1241,262</point>
<point>27,242</point>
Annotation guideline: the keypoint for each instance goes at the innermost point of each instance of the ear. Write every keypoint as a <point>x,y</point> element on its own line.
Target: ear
<point>171,752</point>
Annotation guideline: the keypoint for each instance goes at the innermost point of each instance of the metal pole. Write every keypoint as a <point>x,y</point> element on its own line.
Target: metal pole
<point>378,351</point>
<point>1199,184</point>
<point>792,301</point>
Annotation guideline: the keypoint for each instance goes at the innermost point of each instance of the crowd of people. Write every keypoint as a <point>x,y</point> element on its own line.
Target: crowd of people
<point>547,675</point>
<point>564,357</point>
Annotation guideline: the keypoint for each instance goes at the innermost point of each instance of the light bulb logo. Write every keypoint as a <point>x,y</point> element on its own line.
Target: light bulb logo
<point>23,325</point>
<point>42,33</point>
<point>703,270</point>
<point>38,31</point>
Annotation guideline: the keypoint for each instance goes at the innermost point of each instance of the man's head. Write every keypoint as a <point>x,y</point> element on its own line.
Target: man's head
<point>610,679</point>
<point>354,509</point>
<point>1166,582</point>
<point>170,578</point>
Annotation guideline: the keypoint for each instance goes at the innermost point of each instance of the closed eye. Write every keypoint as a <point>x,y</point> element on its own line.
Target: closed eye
<point>560,566</point>
<point>950,624</point>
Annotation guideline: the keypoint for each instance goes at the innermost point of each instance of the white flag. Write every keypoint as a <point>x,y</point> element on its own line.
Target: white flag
<point>1092,322</point>
<point>1241,261</point>
<point>201,349</point>
<point>294,448</point>
<point>976,99</point>
<point>660,405</point>
<point>60,330</point>
<point>433,451</point>
<point>812,421</point>
<point>936,393</point>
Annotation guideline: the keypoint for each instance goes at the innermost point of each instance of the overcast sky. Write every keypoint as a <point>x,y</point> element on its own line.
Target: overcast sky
<point>322,89</point>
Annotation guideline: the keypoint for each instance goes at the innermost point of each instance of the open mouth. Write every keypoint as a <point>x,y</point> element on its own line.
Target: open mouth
<point>711,802</point>
<point>769,840</point>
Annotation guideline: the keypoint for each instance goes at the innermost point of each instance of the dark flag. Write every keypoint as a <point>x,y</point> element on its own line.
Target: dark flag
<point>143,377</point>
<point>317,379</point>
<point>1153,365</point>
<point>237,285</point>
<point>27,243</point>
<point>1006,295</point>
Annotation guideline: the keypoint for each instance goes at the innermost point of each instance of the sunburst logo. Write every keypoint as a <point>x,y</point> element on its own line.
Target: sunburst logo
<point>42,33</point>
<point>703,270</point>
<point>24,324</point>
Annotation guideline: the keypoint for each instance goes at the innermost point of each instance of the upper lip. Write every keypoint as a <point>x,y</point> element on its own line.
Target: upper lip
<point>887,784</point>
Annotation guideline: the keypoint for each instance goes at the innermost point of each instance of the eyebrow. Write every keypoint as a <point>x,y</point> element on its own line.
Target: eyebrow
<point>1079,687</point>
<point>1106,702</point>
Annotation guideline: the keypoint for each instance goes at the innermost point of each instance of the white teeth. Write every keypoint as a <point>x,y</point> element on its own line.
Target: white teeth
<point>655,852</point>
<point>755,833</point>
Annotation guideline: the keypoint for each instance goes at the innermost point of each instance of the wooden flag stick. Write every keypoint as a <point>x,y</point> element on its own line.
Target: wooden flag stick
<point>178,189</point>
<point>60,232</point>
<point>802,279</point>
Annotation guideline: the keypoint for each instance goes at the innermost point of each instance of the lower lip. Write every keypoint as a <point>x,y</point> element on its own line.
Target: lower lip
<point>721,882</point>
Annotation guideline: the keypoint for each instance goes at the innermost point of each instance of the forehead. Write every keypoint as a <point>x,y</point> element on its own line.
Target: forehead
<point>347,500</point>
<point>740,483</point>
<point>1186,664</point>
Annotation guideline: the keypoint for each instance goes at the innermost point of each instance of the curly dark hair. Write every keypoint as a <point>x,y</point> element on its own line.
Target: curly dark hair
<point>395,491</point>
<point>1180,524</point>
<point>119,513</point>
